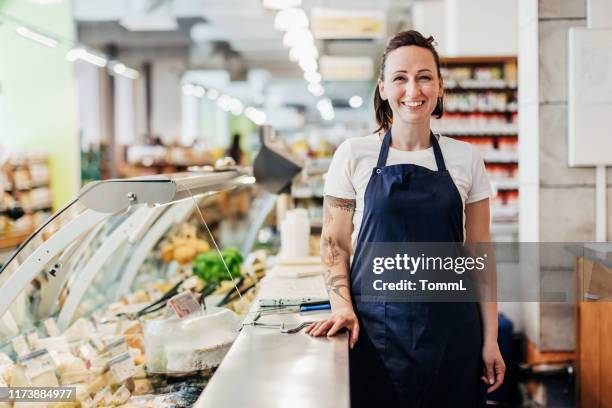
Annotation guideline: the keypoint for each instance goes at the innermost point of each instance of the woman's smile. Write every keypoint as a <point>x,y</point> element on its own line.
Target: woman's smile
<point>413,105</point>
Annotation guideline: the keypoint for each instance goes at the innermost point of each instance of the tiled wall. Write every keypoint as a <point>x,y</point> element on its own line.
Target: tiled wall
<point>557,202</point>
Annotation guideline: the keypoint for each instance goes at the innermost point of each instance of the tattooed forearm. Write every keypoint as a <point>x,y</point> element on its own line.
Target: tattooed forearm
<point>340,203</point>
<point>331,253</point>
<point>336,246</point>
<point>336,282</point>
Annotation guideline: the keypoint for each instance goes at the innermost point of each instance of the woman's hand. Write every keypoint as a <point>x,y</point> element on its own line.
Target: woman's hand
<point>339,319</point>
<point>495,368</point>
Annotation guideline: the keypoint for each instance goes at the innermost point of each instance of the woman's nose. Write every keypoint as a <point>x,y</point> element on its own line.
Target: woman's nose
<point>412,89</point>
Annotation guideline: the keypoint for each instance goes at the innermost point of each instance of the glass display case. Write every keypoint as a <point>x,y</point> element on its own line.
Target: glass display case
<point>86,277</point>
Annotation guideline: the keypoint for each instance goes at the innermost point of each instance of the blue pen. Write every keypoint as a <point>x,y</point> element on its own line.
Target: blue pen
<point>309,308</point>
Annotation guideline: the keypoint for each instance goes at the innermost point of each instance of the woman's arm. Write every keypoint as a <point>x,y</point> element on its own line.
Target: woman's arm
<point>335,255</point>
<point>477,231</point>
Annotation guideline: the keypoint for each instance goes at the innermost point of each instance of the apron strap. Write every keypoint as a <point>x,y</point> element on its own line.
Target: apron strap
<point>386,143</point>
<point>437,152</point>
<point>384,150</point>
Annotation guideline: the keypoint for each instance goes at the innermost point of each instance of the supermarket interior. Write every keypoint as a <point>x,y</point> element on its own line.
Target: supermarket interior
<point>162,173</point>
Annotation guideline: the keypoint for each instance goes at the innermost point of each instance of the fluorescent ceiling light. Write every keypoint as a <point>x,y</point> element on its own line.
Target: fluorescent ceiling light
<point>199,92</point>
<point>303,52</point>
<point>316,89</point>
<point>355,101</point>
<point>236,106</point>
<point>258,117</point>
<point>212,94</point>
<point>120,69</point>
<point>225,102</point>
<point>188,89</point>
<point>290,19</point>
<point>84,55</point>
<point>313,77</point>
<point>36,37</point>
<point>281,4</point>
<point>309,64</point>
<point>326,109</point>
<point>297,37</point>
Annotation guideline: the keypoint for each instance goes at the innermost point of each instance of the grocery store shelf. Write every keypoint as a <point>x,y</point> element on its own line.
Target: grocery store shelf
<point>504,228</point>
<point>509,184</point>
<point>504,130</point>
<point>500,156</point>
<point>13,239</point>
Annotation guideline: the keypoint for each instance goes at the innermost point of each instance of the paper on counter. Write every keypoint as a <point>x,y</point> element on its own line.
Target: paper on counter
<point>290,291</point>
<point>292,271</point>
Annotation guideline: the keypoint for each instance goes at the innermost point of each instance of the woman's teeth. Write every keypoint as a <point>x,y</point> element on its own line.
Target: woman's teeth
<point>413,104</point>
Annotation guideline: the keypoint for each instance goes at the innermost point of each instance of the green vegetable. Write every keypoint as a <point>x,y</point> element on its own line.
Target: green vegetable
<point>209,267</point>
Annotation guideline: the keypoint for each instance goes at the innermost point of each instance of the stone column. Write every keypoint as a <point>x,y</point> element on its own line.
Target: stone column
<point>557,203</point>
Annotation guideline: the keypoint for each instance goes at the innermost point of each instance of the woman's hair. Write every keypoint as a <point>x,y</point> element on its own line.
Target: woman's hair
<point>384,115</point>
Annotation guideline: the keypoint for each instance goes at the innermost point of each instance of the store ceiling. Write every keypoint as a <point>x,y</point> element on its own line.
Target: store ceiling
<point>239,34</point>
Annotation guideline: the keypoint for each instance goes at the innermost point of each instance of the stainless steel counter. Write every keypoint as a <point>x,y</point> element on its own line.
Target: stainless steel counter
<point>265,368</point>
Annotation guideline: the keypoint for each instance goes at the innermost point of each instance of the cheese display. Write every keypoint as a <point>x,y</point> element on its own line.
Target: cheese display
<point>129,354</point>
<point>133,305</point>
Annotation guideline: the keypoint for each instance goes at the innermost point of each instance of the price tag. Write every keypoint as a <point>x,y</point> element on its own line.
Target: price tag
<point>122,367</point>
<point>184,304</point>
<point>37,362</point>
<point>20,346</point>
<point>51,327</point>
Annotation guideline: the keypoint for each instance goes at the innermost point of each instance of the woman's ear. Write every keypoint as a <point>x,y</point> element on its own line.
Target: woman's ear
<point>381,90</point>
<point>441,90</point>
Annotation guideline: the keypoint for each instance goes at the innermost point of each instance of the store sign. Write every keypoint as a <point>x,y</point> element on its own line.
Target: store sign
<point>347,24</point>
<point>346,68</point>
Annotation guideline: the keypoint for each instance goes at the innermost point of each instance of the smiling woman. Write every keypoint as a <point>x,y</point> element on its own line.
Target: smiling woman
<point>420,58</point>
<point>405,184</point>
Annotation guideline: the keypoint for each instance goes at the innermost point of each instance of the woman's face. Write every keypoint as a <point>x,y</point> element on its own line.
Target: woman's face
<point>411,84</point>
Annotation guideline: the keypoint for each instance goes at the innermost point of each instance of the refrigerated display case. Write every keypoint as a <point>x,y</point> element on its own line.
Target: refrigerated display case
<point>72,296</point>
<point>75,303</point>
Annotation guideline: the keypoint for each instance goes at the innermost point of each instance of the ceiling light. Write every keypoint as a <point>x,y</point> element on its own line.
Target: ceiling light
<point>303,52</point>
<point>355,101</point>
<point>260,119</point>
<point>212,94</point>
<point>326,109</point>
<point>82,54</point>
<point>225,102</point>
<point>316,89</point>
<point>236,106</point>
<point>36,37</point>
<point>118,68</point>
<point>297,37</point>
<point>309,64</point>
<point>199,92</point>
<point>281,4</point>
<point>290,19</point>
<point>188,89</point>
<point>312,76</point>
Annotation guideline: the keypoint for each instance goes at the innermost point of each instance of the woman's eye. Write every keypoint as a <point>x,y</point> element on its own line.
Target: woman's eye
<point>400,78</point>
<point>424,78</point>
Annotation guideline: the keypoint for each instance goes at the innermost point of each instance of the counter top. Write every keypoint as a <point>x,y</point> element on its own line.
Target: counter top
<point>597,252</point>
<point>265,368</point>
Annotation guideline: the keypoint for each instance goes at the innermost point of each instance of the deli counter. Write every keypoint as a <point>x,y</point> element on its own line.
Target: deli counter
<point>128,297</point>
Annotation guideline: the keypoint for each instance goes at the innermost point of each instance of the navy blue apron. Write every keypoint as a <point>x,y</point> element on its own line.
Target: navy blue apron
<point>409,354</point>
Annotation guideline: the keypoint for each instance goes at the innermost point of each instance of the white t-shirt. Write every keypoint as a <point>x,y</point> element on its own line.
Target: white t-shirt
<point>353,161</point>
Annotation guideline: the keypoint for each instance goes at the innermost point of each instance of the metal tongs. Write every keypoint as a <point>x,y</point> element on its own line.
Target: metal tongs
<point>281,326</point>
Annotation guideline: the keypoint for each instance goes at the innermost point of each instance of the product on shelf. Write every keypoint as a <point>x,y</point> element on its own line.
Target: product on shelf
<point>24,185</point>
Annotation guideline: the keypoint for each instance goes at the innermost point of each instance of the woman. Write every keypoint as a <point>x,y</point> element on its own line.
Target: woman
<point>408,354</point>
